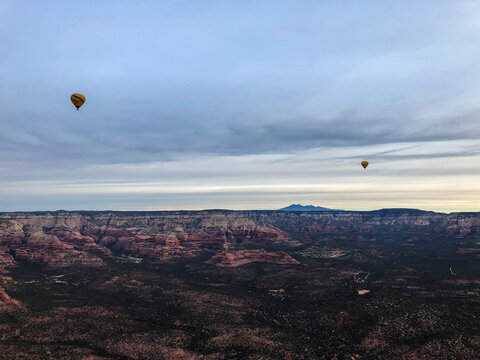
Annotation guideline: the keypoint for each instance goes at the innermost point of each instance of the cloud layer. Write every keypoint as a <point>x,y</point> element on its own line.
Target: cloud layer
<point>251,105</point>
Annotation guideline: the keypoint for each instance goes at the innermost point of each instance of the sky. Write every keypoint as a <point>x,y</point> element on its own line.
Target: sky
<point>239,104</point>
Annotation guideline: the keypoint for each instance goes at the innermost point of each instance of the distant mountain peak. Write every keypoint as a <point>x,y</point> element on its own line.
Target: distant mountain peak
<point>300,207</point>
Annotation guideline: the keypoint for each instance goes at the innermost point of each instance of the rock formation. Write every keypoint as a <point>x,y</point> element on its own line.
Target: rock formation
<point>87,238</point>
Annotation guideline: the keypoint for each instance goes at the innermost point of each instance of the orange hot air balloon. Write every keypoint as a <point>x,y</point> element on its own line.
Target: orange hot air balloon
<point>364,164</point>
<point>77,100</point>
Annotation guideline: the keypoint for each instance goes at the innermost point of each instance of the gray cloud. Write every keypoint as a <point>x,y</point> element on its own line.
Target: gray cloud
<point>175,84</point>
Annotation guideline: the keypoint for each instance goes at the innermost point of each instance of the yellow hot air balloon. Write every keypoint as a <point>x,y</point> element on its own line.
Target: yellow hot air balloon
<point>77,100</point>
<point>364,164</point>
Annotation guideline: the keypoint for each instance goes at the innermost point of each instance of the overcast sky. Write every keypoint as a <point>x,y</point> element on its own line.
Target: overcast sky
<point>240,104</point>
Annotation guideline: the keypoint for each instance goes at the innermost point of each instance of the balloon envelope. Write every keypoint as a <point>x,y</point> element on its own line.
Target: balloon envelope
<point>77,100</point>
<point>364,164</point>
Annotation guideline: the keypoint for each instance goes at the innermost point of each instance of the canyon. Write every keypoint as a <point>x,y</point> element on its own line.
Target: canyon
<point>222,284</point>
<point>65,238</point>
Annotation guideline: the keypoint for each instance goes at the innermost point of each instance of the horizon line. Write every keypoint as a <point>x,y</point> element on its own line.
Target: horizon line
<point>225,209</point>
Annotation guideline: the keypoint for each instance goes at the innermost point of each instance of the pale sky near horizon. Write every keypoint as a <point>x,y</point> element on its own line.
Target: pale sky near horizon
<point>240,105</point>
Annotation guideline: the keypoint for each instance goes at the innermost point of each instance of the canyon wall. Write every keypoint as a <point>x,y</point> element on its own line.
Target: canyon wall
<point>409,220</point>
<point>66,238</point>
